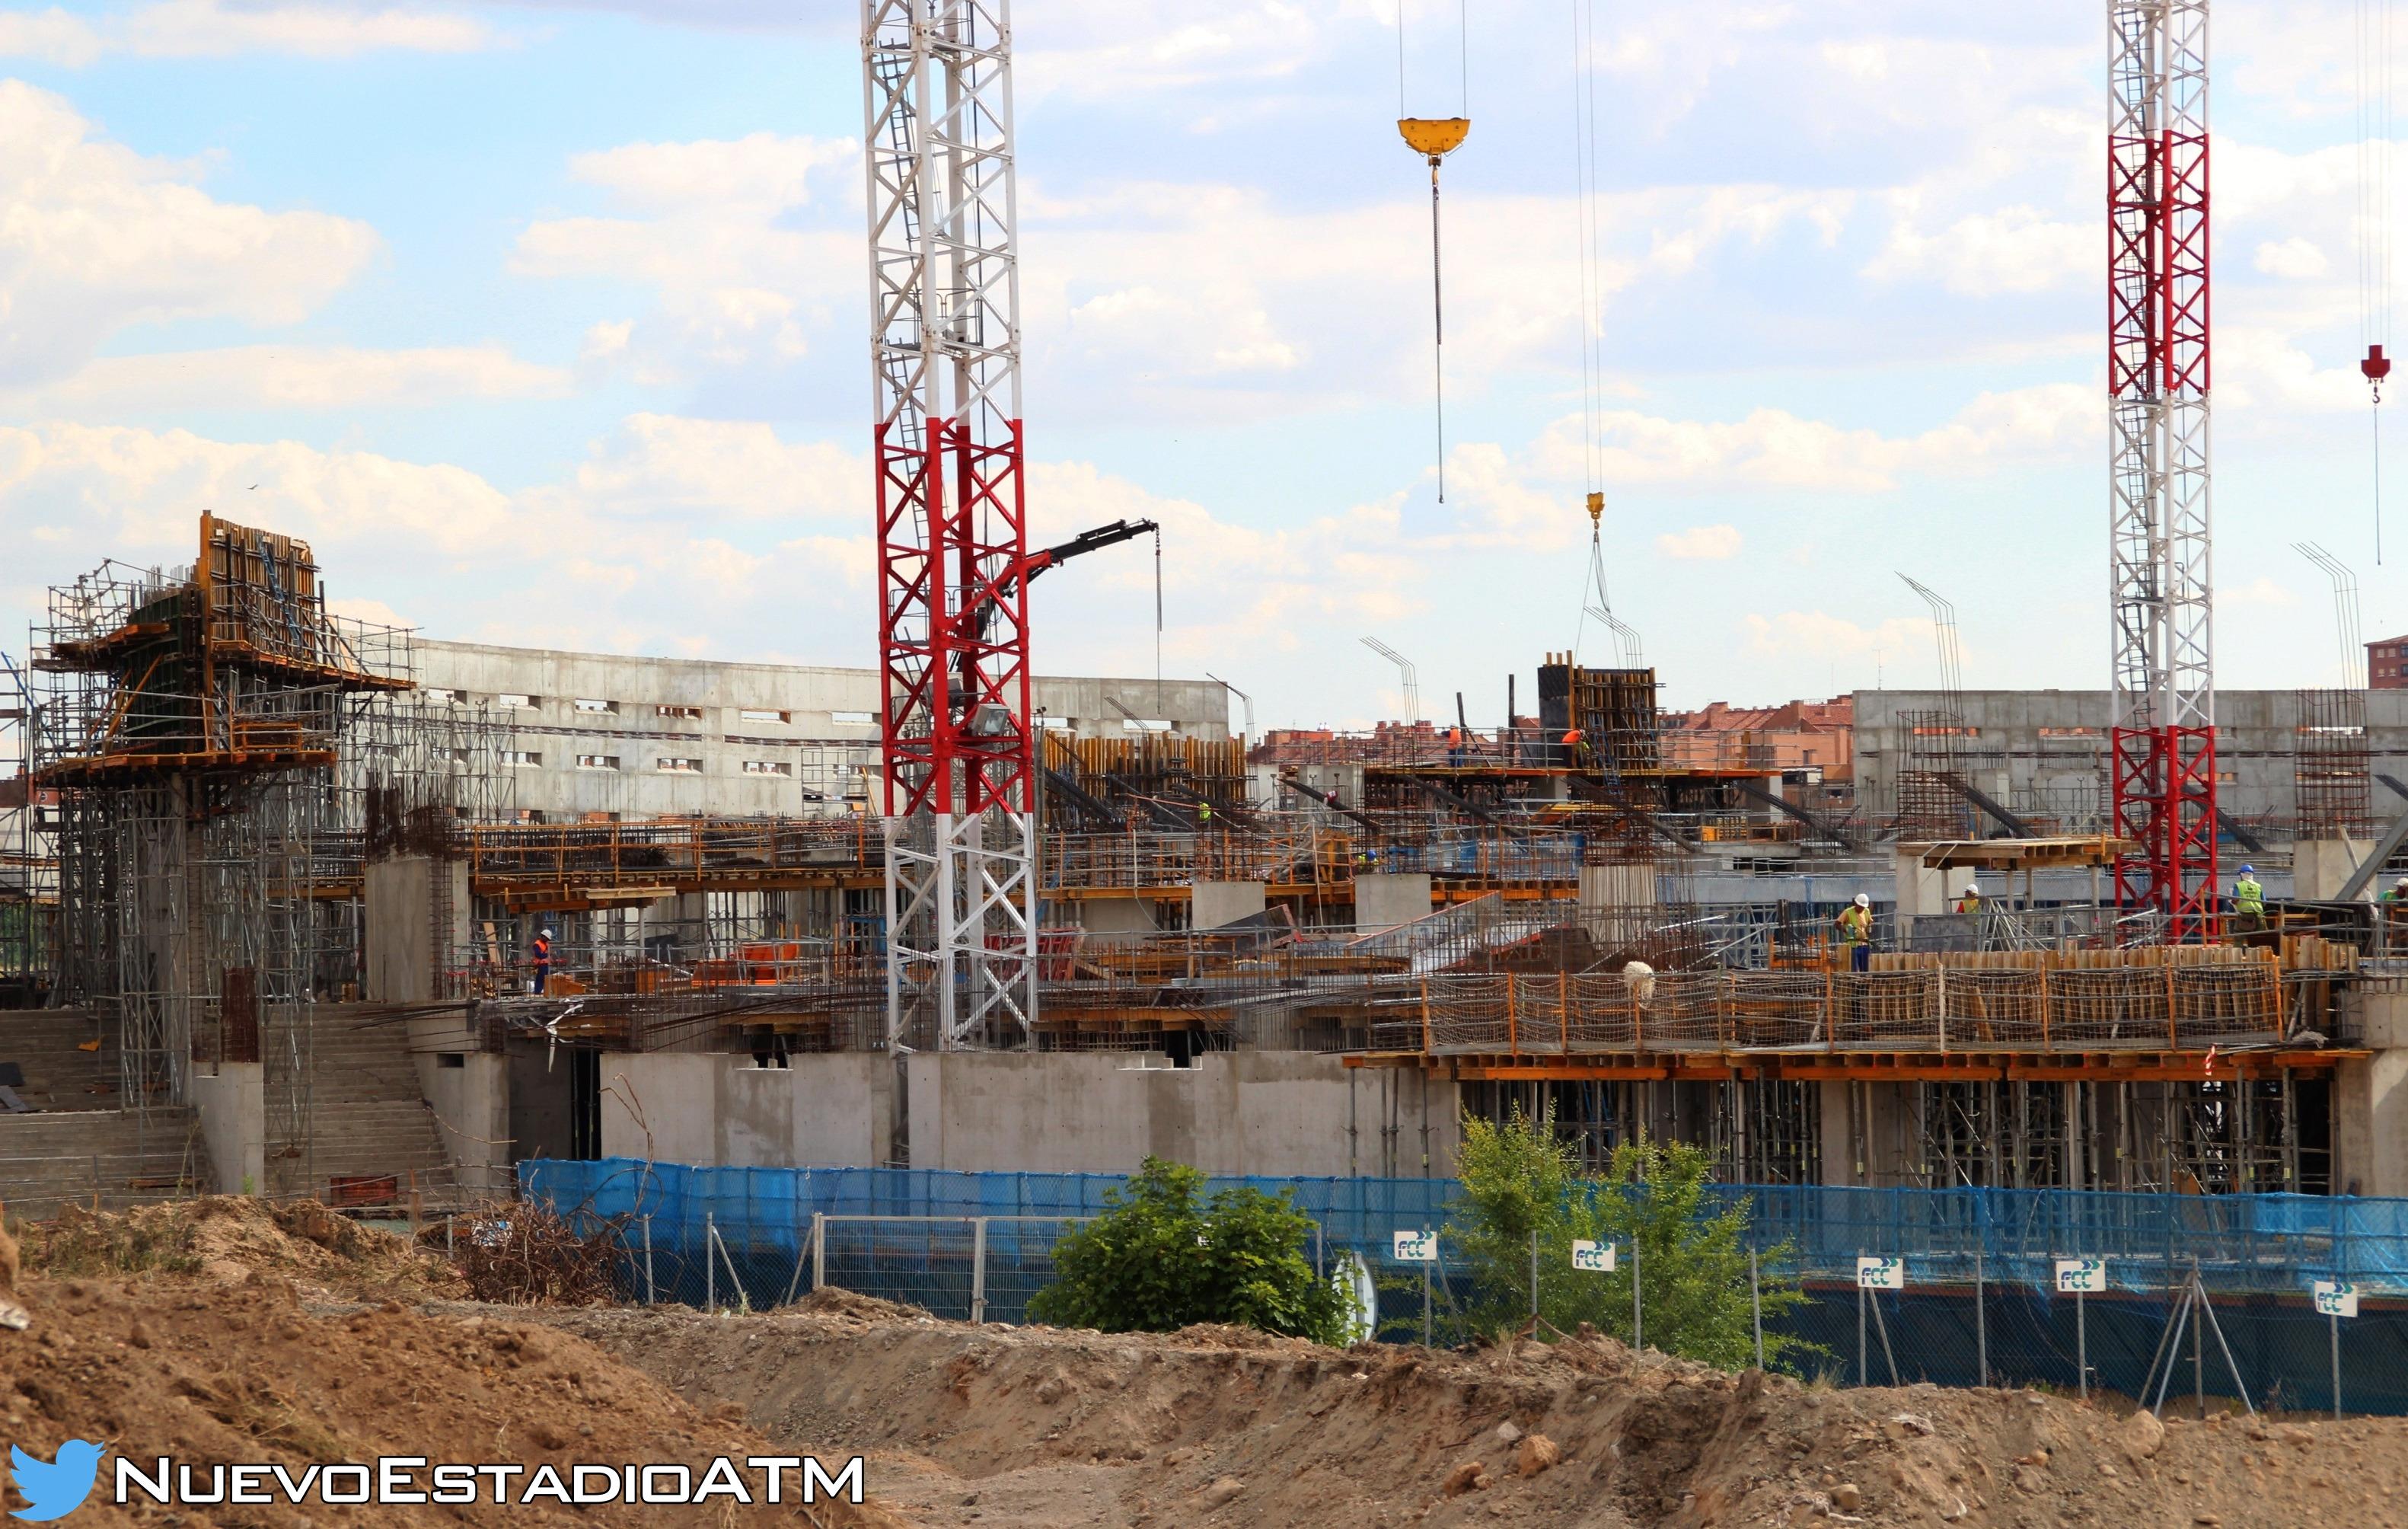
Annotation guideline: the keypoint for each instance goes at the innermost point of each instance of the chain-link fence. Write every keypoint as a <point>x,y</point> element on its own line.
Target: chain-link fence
<point>1979,1300</point>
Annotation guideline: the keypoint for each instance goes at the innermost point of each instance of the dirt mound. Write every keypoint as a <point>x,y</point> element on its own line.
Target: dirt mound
<point>211,1374</point>
<point>228,1238</point>
<point>1042,1426</point>
<point>828,1300</point>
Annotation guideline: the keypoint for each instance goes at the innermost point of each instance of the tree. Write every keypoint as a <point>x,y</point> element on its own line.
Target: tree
<point>1519,1179</point>
<point>1162,1256</point>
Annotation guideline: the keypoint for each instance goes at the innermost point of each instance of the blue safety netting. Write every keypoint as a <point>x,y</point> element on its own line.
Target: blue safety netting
<point>2272,1243</point>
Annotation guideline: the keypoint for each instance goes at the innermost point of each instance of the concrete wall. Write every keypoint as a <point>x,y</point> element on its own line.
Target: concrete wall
<point>1219,902</point>
<point>821,1111</point>
<point>2044,751</point>
<point>808,744</point>
<point>1245,1112</point>
<point>232,1106</point>
<point>1383,901</point>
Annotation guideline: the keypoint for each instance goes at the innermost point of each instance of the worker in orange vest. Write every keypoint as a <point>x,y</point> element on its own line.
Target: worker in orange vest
<point>542,960</point>
<point>1574,748</point>
<point>1454,747</point>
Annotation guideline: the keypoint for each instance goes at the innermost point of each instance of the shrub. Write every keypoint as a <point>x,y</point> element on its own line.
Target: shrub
<point>1162,1256</point>
<point>1520,1179</point>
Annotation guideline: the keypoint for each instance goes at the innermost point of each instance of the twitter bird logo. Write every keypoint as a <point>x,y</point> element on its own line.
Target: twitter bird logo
<point>54,1489</point>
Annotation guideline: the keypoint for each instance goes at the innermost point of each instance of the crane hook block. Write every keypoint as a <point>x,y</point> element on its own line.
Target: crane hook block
<point>1436,137</point>
<point>1596,508</point>
<point>2376,365</point>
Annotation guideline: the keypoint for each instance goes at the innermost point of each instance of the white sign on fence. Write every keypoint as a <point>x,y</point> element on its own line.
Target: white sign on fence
<point>2081,1276</point>
<point>1591,1256</point>
<point>2334,1299</point>
<point>1416,1248</point>
<point>1881,1274</point>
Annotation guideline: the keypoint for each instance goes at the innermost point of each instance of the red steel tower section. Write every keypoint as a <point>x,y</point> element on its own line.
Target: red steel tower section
<point>2163,708</point>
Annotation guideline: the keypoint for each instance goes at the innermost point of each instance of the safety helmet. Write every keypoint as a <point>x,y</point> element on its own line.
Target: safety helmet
<point>548,934</point>
<point>1863,902</point>
<point>2248,870</point>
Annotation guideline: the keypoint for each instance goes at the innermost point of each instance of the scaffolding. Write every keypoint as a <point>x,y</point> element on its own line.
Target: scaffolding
<point>188,735</point>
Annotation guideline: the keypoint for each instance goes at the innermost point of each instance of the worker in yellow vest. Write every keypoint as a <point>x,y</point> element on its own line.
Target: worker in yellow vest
<point>1971,900</point>
<point>2249,900</point>
<point>1855,923</point>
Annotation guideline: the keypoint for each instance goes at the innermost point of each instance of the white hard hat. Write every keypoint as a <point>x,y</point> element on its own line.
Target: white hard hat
<point>1863,902</point>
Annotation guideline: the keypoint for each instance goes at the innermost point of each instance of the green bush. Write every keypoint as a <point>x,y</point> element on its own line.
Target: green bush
<point>1162,1256</point>
<point>1520,1179</point>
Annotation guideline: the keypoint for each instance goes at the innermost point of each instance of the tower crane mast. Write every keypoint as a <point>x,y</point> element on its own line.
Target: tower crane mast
<point>957,745</point>
<point>2162,711</point>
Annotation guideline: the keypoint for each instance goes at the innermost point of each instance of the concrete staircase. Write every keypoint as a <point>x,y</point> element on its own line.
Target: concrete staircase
<point>46,1160</point>
<point>368,1114</point>
<point>46,1046</point>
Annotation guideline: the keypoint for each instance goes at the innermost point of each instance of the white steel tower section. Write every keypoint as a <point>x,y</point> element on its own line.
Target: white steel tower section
<point>958,750</point>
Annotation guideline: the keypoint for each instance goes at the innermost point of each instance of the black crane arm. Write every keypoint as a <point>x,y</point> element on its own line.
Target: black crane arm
<point>1038,562</point>
<point>1085,541</point>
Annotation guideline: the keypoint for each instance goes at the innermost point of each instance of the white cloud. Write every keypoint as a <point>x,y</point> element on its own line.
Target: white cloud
<point>2293,258</point>
<point>669,467</point>
<point>1817,635</point>
<point>2260,593</point>
<point>98,239</point>
<point>1705,543</point>
<point>760,175</point>
<point>298,377</point>
<point>1774,448</point>
<point>675,535</point>
<point>211,29</point>
<point>50,36</point>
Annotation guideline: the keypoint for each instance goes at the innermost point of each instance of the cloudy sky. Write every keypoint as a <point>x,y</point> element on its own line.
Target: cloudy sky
<point>547,324</point>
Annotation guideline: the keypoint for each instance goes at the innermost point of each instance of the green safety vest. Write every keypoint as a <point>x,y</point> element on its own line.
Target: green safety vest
<point>1856,926</point>
<point>2247,896</point>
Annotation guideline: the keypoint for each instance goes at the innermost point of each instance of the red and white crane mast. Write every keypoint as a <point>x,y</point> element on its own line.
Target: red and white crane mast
<point>2162,721</point>
<point>957,746</point>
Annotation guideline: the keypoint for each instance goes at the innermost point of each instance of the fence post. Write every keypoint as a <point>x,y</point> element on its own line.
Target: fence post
<point>819,1249</point>
<point>978,1269</point>
<point>1981,1320</point>
<point>1756,1306</point>
<point>649,1295</point>
<point>710,1265</point>
<point>1320,1267</point>
<point>2080,1346</point>
<point>1638,1312</point>
<point>1534,1274</point>
<point>1425,1305</point>
<point>1862,1377</point>
<point>2335,1319</point>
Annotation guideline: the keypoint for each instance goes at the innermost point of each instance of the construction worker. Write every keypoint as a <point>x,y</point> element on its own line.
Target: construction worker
<point>1204,816</point>
<point>2398,892</point>
<point>2249,899</point>
<point>1971,900</point>
<point>1455,748</point>
<point>542,960</point>
<point>1855,923</point>
<point>1574,746</point>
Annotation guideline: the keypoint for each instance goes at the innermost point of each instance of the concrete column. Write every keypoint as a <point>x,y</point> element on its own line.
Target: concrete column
<point>405,900</point>
<point>2320,867</point>
<point>2371,1102</point>
<point>1117,916</point>
<point>1839,1150</point>
<point>1383,901</point>
<point>232,1105</point>
<point>1920,891</point>
<point>1219,902</point>
<point>1617,902</point>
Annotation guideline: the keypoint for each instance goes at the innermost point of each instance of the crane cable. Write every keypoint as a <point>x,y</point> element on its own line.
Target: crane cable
<point>1592,334</point>
<point>1433,140</point>
<point>2374,262</point>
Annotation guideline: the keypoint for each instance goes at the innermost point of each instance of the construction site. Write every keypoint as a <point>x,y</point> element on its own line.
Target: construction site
<point>354,924</point>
